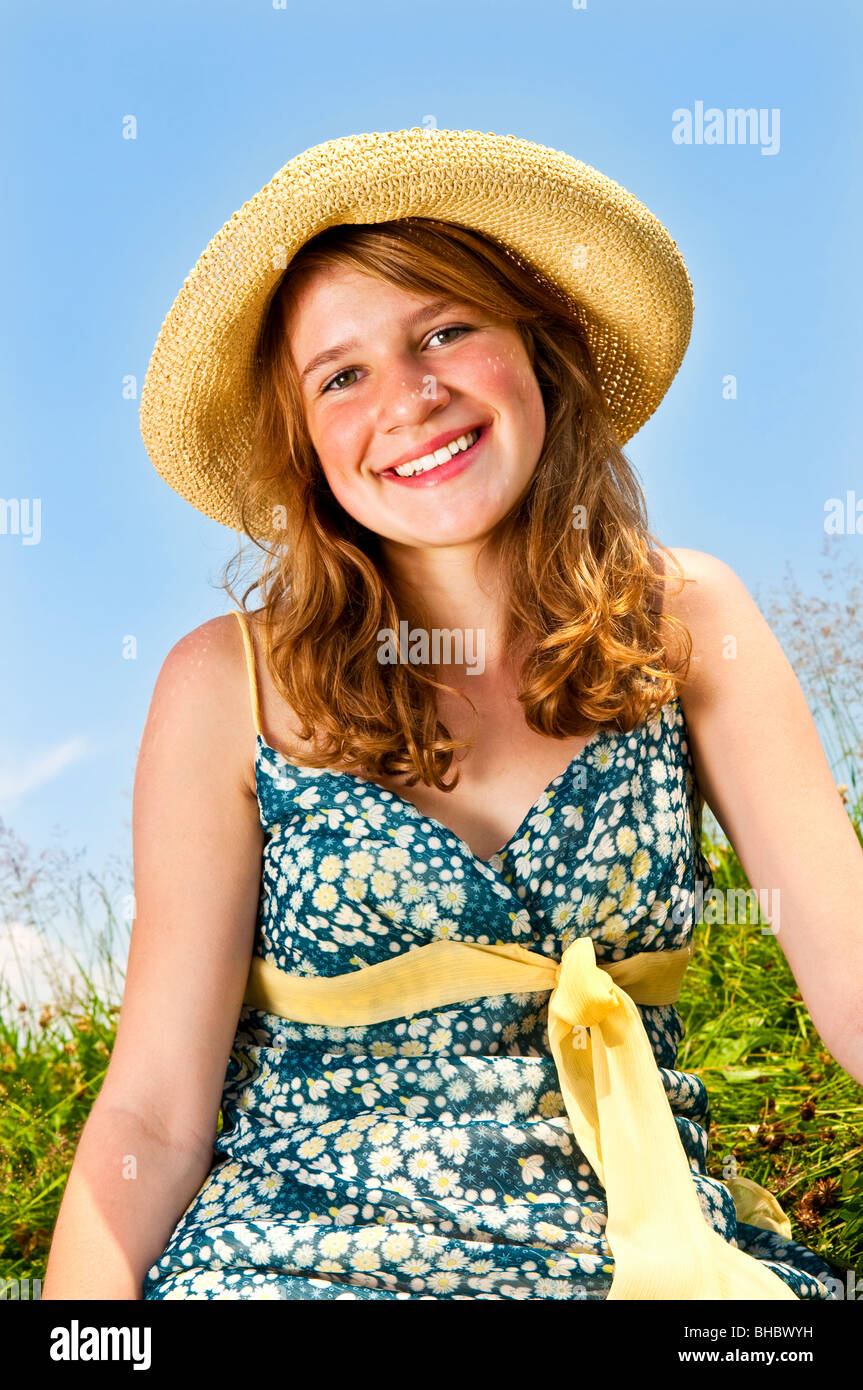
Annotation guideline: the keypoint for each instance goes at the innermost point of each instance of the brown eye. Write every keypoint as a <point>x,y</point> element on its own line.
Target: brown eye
<point>454,328</point>
<point>346,371</point>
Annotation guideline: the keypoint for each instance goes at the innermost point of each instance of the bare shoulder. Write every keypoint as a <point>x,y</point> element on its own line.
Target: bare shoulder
<point>706,596</point>
<point>204,681</point>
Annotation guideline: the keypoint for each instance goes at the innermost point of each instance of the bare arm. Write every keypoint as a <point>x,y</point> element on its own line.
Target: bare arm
<point>760,764</point>
<point>147,1144</point>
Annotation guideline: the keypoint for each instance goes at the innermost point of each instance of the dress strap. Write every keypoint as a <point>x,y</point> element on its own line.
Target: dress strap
<point>250,667</point>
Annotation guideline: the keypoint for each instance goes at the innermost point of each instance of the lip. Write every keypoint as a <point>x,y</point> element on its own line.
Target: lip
<point>457,464</point>
<point>439,441</point>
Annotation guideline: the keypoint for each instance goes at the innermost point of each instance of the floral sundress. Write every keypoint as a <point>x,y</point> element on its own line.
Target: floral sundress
<point>431,1157</point>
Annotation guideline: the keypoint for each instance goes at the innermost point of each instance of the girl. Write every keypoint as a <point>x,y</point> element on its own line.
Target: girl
<point>415,923</point>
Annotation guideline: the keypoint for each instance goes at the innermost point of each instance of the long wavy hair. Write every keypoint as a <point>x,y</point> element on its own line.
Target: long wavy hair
<point>574,552</point>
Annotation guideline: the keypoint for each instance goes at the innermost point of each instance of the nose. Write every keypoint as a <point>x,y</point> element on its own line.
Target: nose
<point>408,393</point>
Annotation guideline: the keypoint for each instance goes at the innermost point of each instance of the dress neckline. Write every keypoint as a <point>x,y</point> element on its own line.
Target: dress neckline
<point>415,813</point>
<point>411,810</point>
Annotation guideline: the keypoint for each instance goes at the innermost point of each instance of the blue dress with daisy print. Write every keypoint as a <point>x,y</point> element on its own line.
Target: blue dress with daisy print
<point>431,1157</point>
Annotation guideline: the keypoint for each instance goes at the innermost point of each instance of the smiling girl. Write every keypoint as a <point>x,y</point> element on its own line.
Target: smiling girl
<point>417,930</point>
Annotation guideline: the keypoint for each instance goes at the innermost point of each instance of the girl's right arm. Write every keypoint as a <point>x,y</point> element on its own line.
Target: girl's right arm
<point>197,841</point>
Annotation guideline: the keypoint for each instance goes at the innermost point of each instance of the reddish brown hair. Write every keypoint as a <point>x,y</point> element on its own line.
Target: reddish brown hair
<point>581,601</point>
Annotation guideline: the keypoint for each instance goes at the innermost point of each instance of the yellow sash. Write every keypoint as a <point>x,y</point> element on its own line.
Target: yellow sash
<point>663,1247</point>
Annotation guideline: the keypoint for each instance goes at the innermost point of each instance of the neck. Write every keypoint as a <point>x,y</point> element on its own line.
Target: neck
<point>457,588</point>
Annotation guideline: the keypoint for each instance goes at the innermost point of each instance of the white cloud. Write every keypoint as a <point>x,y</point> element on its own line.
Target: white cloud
<point>17,782</point>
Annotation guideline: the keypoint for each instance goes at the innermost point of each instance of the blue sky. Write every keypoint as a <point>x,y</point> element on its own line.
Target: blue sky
<point>101,231</point>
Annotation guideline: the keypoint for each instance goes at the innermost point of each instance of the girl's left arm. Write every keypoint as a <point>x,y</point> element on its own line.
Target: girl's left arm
<point>761,767</point>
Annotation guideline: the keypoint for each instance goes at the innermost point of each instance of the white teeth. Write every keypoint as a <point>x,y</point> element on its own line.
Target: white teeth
<point>434,460</point>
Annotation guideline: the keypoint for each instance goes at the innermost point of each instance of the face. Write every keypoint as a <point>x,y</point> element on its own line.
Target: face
<point>403,376</point>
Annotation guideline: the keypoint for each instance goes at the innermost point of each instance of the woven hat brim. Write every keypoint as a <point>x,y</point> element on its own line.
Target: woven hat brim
<point>593,239</point>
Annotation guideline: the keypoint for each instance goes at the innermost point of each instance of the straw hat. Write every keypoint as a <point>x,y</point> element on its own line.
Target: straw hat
<point>596,242</point>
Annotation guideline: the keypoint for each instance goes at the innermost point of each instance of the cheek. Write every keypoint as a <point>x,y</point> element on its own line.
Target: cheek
<point>506,377</point>
<point>332,433</point>
<point>338,448</point>
<point>337,440</point>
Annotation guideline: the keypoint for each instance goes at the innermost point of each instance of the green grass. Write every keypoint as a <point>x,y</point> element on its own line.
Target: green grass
<point>50,1074</point>
<point>781,1107</point>
<point>786,1111</point>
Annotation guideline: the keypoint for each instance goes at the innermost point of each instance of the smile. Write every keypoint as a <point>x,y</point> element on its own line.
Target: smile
<point>443,463</point>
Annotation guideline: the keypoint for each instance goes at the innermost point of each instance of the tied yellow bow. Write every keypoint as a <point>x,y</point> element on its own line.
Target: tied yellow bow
<point>662,1245</point>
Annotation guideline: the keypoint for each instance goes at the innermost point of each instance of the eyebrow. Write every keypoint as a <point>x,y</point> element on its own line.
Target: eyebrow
<point>331,354</point>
